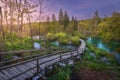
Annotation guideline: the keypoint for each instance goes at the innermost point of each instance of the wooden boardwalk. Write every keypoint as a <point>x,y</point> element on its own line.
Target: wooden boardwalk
<point>25,69</point>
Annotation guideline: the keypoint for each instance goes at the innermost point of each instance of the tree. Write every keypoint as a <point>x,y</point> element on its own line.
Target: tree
<point>2,34</point>
<point>40,15</point>
<point>48,23</point>
<point>53,18</point>
<point>109,29</point>
<point>65,20</point>
<point>96,20</point>
<point>28,10</point>
<point>54,23</point>
<point>60,17</point>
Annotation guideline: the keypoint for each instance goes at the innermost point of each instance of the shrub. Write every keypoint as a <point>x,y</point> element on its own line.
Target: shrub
<point>60,35</point>
<point>61,74</point>
<point>64,40</point>
<point>75,40</point>
<point>50,37</point>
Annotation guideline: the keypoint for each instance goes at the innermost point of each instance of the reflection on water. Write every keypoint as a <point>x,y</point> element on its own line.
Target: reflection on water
<point>109,47</point>
<point>56,43</point>
<point>102,46</point>
<point>99,44</point>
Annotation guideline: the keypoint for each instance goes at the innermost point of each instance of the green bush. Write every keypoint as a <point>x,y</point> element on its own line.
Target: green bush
<point>61,74</point>
<point>50,37</point>
<point>75,40</point>
<point>96,66</point>
<point>64,40</point>
<point>60,35</point>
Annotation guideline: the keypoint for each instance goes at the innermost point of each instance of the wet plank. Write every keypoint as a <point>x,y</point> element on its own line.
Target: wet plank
<point>7,74</point>
<point>3,77</point>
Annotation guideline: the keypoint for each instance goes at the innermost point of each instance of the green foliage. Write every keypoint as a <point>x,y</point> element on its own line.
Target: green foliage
<point>50,37</point>
<point>61,74</point>
<point>95,66</point>
<point>76,33</point>
<point>99,52</point>
<point>60,35</point>
<point>109,28</point>
<point>75,40</point>
<point>87,56</point>
<point>8,57</point>
<point>62,38</point>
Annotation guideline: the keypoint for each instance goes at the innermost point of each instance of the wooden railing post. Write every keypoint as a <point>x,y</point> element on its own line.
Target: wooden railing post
<point>60,57</point>
<point>38,67</point>
<point>71,54</point>
<point>78,52</point>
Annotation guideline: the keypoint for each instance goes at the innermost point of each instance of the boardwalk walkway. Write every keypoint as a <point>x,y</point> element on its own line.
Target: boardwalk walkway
<point>25,69</point>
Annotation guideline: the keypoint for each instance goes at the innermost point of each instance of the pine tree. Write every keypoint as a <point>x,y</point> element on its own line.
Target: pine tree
<point>96,21</point>
<point>53,18</point>
<point>60,17</point>
<point>66,20</point>
<point>96,18</point>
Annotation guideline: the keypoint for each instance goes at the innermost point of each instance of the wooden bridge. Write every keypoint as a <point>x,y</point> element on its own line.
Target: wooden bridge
<point>25,69</point>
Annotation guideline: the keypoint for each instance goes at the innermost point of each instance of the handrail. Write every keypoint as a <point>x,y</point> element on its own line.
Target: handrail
<point>38,64</point>
<point>23,51</point>
<point>2,62</point>
<point>33,59</point>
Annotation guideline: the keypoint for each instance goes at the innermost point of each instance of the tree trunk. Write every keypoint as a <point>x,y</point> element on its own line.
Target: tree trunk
<point>2,34</point>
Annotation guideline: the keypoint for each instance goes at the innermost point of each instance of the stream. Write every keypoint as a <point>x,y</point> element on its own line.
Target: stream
<point>109,47</point>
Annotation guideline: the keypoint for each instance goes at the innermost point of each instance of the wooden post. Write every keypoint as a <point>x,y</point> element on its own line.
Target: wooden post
<point>78,52</point>
<point>60,57</point>
<point>71,54</point>
<point>38,67</point>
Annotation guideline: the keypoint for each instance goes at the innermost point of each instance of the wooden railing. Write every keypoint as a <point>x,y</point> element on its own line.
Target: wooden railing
<point>22,58</point>
<point>36,59</point>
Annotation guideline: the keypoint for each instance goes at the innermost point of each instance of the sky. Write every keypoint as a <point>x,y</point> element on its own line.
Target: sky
<point>80,8</point>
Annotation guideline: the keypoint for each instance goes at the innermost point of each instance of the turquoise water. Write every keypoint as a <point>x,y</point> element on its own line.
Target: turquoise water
<point>56,43</point>
<point>109,47</point>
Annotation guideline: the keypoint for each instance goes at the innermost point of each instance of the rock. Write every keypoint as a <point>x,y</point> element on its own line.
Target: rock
<point>105,60</point>
<point>36,45</point>
<point>35,78</point>
<point>62,64</point>
<point>70,61</point>
<point>92,54</point>
<point>79,57</point>
<point>117,56</point>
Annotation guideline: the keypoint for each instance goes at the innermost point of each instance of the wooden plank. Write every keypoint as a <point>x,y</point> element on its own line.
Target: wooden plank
<point>17,78</point>
<point>26,68</point>
<point>34,62</point>
<point>26,65</point>
<point>7,74</point>
<point>30,65</point>
<point>18,72</point>
<point>21,70</point>
<point>20,67</point>
<point>10,70</point>
<point>3,77</point>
